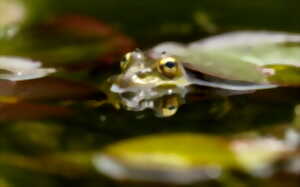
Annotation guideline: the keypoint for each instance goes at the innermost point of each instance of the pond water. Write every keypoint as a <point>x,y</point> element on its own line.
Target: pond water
<point>61,125</point>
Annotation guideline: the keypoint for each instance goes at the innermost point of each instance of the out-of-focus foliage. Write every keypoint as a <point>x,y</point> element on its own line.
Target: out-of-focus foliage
<point>188,158</point>
<point>50,128</point>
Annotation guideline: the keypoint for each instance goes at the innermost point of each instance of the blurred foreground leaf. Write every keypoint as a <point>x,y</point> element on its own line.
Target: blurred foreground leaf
<point>187,158</point>
<point>65,40</point>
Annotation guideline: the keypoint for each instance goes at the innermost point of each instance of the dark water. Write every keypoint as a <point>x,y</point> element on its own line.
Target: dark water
<point>50,127</point>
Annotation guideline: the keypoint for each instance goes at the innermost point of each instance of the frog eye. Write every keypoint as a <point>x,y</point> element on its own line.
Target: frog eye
<point>168,66</point>
<point>125,61</point>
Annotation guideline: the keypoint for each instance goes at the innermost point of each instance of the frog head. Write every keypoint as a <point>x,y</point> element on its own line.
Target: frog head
<point>144,80</point>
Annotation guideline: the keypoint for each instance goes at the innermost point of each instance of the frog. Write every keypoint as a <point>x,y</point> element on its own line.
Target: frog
<point>144,80</point>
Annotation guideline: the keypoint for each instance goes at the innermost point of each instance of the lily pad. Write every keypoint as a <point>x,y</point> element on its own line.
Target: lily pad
<point>22,69</point>
<point>247,56</point>
<point>186,158</point>
<point>179,158</point>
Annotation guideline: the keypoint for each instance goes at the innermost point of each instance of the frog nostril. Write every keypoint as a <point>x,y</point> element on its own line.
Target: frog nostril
<point>142,75</point>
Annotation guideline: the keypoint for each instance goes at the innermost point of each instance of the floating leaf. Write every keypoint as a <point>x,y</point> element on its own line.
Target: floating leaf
<point>286,75</point>
<point>22,69</point>
<point>247,56</point>
<point>179,158</point>
<point>185,158</point>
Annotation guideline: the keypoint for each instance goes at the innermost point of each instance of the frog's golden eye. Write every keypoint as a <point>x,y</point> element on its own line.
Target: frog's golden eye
<point>125,61</point>
<point>169,67</point>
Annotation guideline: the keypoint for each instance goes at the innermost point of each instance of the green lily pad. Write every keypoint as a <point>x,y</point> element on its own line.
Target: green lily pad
<point>248,56</point>
<point>285,75</point>
<point>186,158</point>
<point>176,150</point>
<point>175,158</point>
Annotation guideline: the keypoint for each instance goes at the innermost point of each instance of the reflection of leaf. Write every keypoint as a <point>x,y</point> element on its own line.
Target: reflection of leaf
<point>67,165</point>
<point>25,111</point>
<point>15,97</point>
<point>47,88</point>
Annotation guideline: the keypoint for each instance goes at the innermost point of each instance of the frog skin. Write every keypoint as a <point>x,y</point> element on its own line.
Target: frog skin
<point>144,79</point>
